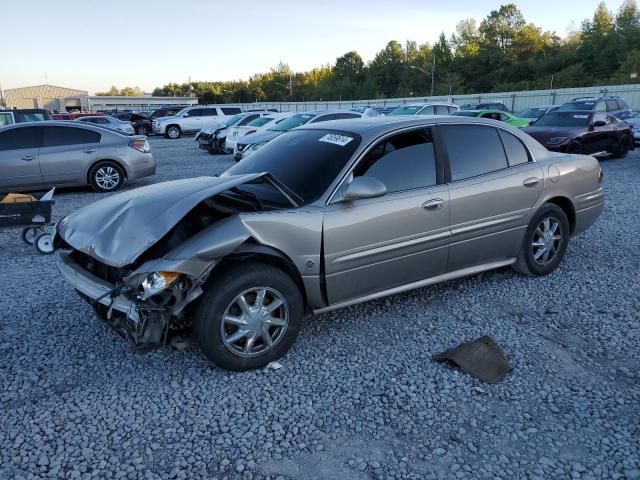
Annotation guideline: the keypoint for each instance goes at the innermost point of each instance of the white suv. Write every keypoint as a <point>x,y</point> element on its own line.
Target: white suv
<point>193,119</point>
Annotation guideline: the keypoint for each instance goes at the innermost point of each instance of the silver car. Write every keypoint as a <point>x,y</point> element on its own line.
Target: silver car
<point>107,121</point>
<point>38,155</point>
<point>324,216</point>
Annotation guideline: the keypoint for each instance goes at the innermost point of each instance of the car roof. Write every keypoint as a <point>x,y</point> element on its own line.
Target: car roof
<point>60,123</point>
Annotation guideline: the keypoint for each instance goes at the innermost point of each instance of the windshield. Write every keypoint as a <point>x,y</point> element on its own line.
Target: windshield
<point>533,112</point>
<point>233,120</point>
<point>306,161</point>
<point>576,106</point>
<point>466,113</point>
<point>259,122</point>
<point>405,110</point>
<point>563,119</point>
<point>292,122</point>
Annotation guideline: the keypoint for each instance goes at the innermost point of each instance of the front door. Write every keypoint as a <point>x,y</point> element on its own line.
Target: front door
<point>66,154</point>
<point>193,121</point>
<point>372,245</point>
<point>493,187</point>
<point>19,165</point>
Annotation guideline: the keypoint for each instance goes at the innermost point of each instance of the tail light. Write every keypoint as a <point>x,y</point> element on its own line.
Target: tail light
<point>140,145</point>
<point>600,176</point>
<point>250,132</point>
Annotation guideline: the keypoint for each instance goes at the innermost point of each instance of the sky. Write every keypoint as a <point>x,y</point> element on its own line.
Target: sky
<point>91,45</point>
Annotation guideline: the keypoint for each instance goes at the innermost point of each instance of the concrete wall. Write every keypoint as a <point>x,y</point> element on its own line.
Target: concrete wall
<point>516,101</point>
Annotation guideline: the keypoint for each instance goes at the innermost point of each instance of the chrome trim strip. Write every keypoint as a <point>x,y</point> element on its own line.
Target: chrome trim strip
<point>421,283</point>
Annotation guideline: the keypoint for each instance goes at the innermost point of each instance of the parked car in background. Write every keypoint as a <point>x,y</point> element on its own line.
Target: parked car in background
<point>193,119</point>
<point>486,106</point>
<point>21,115</point>
<point>611,105</point>
<point>424,109</point>
<point>213,139</point>
<point>259,125</point>
<point>497,115</point>
<point>366,111</point>
<point>247,146</point>
<point>325,216</point>
<point>141,124</point>
<point>35,156</point>
<point>534,113</point>
<point>585,132</point>
<point>634,123</point>
<point>107,121</point>
<point>383,110</point>
<point>165,112</point>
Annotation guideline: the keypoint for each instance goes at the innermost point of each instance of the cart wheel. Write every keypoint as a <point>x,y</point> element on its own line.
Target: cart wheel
<point>29,234</point>
<point>44,244</point>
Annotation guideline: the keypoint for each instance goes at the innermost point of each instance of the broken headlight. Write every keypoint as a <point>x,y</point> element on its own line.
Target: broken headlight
<point>156,282</point>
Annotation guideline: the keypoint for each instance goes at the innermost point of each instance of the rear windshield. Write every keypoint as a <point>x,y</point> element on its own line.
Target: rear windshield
<point>258,122</point>
<point>28,117</point>
<point>405,110</point>
<point>576,106</point>
<point>292,122</point>
<point>306,161</point>
<point>563,119</point>
<point>532,113</point>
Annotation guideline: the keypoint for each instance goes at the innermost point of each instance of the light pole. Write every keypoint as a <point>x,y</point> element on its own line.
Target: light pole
<point>431,74</point>
<point>289,87</point>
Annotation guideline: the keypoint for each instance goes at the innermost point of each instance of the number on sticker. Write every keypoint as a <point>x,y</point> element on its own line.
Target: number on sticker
<point>335,139</point>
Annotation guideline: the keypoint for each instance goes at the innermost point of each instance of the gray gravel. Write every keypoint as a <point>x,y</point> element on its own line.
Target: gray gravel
<point>358,396</point>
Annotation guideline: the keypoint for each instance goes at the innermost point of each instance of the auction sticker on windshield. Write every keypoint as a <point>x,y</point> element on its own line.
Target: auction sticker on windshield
<point>581,116</point>
<point>340,140</point>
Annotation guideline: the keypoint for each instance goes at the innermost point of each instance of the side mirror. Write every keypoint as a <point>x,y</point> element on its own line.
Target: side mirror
<point>364,187</point>
<point>599,123</point>
<point>186,114</point>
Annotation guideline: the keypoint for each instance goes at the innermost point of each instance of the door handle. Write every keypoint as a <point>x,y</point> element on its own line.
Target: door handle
<point>531,182</point>
<point>27,158</point>
<point>90,150</point>
<point>432,205</point>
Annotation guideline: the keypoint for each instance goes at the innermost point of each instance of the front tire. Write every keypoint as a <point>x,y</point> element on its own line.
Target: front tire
<point>142,130</point>
<point>249,316</point>
<point>545,241</point>
<point>106,177</point>
<point>172,132</point>
<point>621,148</point>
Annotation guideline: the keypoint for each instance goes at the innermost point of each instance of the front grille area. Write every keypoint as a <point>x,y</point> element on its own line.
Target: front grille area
<point>110,274</point>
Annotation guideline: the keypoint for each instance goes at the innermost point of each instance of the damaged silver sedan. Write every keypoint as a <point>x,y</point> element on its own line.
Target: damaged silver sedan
<point>323,217</point>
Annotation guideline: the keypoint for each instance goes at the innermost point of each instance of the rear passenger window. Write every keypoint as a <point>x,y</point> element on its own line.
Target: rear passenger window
<point>208,112</point>
<point>442,110</point>
<point>231,110</point>
<point>19,138</point>
<point>516,151</point>
<point>612,105</point>
<point>58,136</point>
<point>601,107</point>
<point>402,162</point>
<point>427,111</point>
<point>473,150</point>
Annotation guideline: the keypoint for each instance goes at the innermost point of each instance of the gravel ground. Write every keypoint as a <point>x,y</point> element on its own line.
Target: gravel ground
<point>357,396</point>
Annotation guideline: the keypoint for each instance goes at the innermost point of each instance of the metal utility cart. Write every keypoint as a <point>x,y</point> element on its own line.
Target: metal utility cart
<point>34,217</point>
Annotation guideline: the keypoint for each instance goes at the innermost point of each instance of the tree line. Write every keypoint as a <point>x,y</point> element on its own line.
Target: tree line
<point>503,52</point>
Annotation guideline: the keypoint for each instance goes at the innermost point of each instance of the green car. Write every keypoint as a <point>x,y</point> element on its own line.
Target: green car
<point>495,115</point>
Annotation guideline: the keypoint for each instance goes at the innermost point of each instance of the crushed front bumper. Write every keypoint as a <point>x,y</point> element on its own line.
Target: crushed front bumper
<point>95,288</point>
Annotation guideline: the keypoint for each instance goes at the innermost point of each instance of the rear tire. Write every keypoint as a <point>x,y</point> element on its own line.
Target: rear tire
<point>621,148</point>
<point>106,177</point>
<point>234,328</point>
<point>545,241</point>
<point>142,130</point>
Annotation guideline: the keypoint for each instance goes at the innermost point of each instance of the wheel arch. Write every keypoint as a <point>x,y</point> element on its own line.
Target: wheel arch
<point>567,206</point>
<point>253,251</point>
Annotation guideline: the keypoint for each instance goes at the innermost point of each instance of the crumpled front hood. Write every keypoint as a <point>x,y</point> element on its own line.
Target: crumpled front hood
<point>118,229</point>
<point>544,133</point>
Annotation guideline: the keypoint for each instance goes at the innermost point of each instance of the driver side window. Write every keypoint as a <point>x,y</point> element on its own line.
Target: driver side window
<point>402,162</point>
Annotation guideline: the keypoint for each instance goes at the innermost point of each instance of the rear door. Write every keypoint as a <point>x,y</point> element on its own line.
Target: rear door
<point>371,245</point>
<point>19,166</point>
<point>66,154</point>
<point>490,196</point>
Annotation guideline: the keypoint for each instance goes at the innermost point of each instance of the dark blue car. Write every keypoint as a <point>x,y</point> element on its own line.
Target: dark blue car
<point>611,105</point>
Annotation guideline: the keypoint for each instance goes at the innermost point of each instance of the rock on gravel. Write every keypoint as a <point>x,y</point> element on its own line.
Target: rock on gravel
<point>358,396</point>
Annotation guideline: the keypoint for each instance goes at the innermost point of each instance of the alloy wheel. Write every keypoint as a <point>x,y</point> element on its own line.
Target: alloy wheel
<point>255,321</point>
<point>173,132</point>
<point>547,238</point>
<point>107,178</point>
